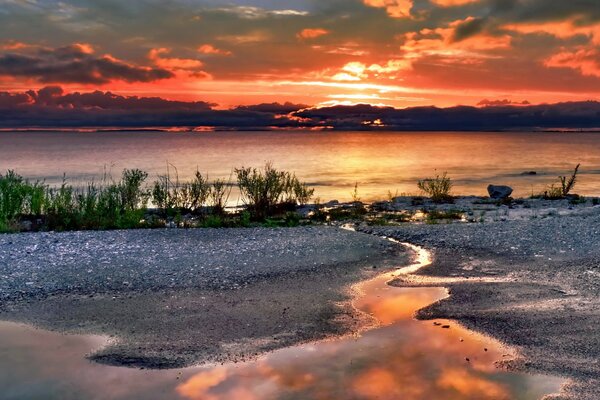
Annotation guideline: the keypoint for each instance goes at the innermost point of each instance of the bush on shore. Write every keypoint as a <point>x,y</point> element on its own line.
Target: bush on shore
<point>123,204</point>
<point>438,188</point>
<point>268,191</point>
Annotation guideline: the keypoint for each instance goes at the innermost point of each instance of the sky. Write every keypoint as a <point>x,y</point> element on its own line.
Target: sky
<point>319,53</point>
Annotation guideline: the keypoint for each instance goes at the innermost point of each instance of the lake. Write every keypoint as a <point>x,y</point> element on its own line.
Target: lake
<point>332,162</point>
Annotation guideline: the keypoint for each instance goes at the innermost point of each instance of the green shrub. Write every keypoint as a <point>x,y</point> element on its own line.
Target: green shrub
<point>219,196</point>
<point>438,188</point>
<point>133,195</point>
<point>168,194</point>
<point>213,221</point>
<point>13,196</point>
<point>263,190</point>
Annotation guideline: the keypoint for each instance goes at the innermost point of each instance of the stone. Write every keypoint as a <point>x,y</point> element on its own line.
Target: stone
<point>499,192</point>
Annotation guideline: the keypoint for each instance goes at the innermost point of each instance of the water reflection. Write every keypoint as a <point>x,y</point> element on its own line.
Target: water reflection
<point>331,161</point>
<point>401,359</point>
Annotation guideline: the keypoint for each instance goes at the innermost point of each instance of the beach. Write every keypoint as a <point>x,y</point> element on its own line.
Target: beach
<point>171,298</point>
<point>175,298</point>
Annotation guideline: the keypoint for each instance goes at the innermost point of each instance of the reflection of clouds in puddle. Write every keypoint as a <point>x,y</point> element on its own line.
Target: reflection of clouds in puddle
<point>404,359</point>
<point>409,360</point>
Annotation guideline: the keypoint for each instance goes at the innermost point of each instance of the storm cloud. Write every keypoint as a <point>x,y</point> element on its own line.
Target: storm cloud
<point>75,64</point>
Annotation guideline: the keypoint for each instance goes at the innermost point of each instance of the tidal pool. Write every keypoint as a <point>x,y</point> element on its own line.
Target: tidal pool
<point>400,358</point>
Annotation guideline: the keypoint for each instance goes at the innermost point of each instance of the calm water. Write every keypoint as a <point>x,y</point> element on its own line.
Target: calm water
<point>402,359</point>
<point>331,161</point>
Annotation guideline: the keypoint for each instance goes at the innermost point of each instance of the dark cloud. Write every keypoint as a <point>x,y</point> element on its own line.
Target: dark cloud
<point>504,102</point>
<point>547,116</point>
<point>73,64</point>
<point>51,108</point>
<point>52,96</point>
<point>468,28</point>
<point>274,108</point>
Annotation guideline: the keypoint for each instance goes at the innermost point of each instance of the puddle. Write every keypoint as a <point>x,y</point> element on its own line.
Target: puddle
<point>400,359</point>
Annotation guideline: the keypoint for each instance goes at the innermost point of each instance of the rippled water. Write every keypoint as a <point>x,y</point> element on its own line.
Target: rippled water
<point>401,359</point>
<point>331,161</point>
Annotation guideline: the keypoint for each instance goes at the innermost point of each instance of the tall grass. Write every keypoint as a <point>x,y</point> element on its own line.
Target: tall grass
<point>123,204</point>
<point>438,188</point>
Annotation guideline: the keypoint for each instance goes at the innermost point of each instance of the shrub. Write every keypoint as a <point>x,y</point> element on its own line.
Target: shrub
<point>438,188</point>
<point>169,195</point>
<point>219,196</point>
<point>133,194</point>
<point>262,190</point>
<point>14,191</point>
<point>199,190</point>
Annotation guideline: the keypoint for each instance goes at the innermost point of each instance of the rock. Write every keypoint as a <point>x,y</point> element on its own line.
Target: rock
<point>25,226</point>
<point>529,173</point>
<point>499,192</point>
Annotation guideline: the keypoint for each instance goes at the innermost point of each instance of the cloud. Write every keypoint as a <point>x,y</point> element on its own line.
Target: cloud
<point>453,3</point>
<point>51,107</point>
<point>394,8</point>
<point>273,108</point>
<point>162,59</point>
<point>474,48</point>
<point>546,116</point>
<point>585,60</point>
<point>312,33</point>
<point>75,64</point>
<point>212,50</point>
<point>500,103</point>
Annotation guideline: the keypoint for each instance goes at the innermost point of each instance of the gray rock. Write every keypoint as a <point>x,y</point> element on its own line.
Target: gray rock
<point>499,192</point>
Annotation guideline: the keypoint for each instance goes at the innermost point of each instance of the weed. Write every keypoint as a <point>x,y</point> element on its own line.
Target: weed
<point>437,188</point>
<point>563,188</point>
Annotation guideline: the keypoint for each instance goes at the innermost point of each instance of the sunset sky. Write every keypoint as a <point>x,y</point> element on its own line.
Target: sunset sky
<point>394,52</point>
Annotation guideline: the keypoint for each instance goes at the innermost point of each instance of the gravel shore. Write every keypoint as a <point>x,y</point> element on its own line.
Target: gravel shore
<point>534,284</point>
<point>173,298</point>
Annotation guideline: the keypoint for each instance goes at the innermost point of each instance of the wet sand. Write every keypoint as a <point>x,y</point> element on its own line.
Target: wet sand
<point>534,284</point>
<point>174,298</point>
<point>399,357</point>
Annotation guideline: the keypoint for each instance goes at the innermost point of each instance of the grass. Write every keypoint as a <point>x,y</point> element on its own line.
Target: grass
<point>434,216</point>
<point>437,188</point>
<point>123,204</point>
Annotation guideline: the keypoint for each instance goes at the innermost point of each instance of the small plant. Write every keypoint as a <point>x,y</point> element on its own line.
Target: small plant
<point>436,215</point>
<point>563,189</point>
<point>354,194</point>
<point>219,195</point>
<point>438,188</point>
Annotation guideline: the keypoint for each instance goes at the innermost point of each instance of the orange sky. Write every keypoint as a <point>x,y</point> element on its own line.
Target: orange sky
<point>393,52</point>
